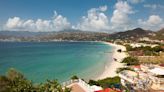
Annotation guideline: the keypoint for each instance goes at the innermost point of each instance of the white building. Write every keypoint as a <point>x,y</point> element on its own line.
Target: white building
<point>149,77</point>
<point>156,74</point>
<point>79,85</point>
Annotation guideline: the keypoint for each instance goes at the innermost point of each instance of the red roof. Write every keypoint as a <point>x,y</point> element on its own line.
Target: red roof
<point>137,66</point>
<point>107,90</point>
<point>161,65</point>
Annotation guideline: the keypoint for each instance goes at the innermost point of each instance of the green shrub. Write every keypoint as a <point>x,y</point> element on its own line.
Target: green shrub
<point>107,82</point>
<point>122,69</point>
<point>74,77</point>
<point>130,61</point>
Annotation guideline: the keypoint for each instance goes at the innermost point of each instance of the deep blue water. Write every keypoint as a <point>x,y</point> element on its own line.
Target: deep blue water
<point>39,61</point>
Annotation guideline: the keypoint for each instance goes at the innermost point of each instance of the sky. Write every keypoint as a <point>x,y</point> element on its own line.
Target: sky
<point>87,15</point>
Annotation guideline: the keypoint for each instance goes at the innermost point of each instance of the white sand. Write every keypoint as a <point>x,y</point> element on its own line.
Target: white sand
<point>110,69</point>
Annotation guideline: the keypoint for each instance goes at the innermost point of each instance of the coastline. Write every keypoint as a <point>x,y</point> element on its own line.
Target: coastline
<point>111,67</point>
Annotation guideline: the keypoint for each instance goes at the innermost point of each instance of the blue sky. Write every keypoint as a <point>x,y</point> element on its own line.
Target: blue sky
<point>56,15</point>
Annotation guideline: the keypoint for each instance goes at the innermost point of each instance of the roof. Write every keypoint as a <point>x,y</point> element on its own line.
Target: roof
<point>137,66</point>
<point>105,90</point>
<point>76,88</point>
<point>157,71</point>
<point>162,65</point>
<point>95,88</point>
<point>108,90</point>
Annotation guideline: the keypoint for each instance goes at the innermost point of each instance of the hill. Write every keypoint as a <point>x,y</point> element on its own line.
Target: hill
<point>131,34</point>
<point>159,34</point>
<point>78,35</point>
<point>75,35</point>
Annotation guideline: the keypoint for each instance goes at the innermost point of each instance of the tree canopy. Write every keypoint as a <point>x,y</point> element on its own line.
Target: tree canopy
<point>15,81</point>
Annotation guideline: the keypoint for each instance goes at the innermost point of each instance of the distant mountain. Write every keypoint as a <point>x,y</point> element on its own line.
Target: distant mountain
<point>159,34</point>
<point>31,34</point>
<point>131,34</point>
<point>21,33</point>
<point>161,31</point>
<point>78,35</point>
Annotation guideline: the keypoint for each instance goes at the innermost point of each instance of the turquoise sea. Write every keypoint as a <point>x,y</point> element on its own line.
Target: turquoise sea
<point>40,61</point>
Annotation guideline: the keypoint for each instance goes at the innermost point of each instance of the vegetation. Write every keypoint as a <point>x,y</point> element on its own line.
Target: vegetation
<point>152,59</point>
<point>147,50</point>
<point>124,68</point>
<point>131,61</point>
<point>14,81</point>
<point>108,82</point>
<point>74,77</point>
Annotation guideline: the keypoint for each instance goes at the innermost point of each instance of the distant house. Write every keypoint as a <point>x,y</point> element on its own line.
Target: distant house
<point>136,67</point>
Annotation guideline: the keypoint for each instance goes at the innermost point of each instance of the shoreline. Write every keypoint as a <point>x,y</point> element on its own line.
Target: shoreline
<point>111,67</point>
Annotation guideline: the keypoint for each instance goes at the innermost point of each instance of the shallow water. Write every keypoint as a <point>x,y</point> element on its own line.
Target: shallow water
<point>39,61</point>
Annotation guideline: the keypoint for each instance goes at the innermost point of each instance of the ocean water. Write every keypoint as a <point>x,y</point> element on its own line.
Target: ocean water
<point>40,61</point>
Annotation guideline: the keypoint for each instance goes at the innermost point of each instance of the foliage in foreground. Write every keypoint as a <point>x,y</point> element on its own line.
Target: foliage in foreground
<point>107,82</point>
<point>14,81</point>
<point>131,61</point>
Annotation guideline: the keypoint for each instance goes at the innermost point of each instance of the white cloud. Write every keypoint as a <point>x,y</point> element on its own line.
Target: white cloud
<point>135,1</point>
<point>42,25</point>
<point>154,22</point>
<point>153,6</point>
<point>14,22</point>
<point>103,8</point>
<point>96,20</point>
<point>60,22</point>
<point>57,23</point>
<point>120,18</point>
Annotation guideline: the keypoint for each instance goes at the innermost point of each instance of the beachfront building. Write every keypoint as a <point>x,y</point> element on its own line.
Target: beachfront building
<point>156,75</point>
<point>129,79</point>
<point>145,77</point>
<point>78,85</point>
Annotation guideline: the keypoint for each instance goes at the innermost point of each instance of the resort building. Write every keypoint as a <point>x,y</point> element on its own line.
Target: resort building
<point>156,75</point>
<point>78,85</point>
<point>129,79</point>
<point>144,77</point>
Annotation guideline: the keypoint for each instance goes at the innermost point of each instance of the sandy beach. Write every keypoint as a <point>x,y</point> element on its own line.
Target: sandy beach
<point>110,69</point>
